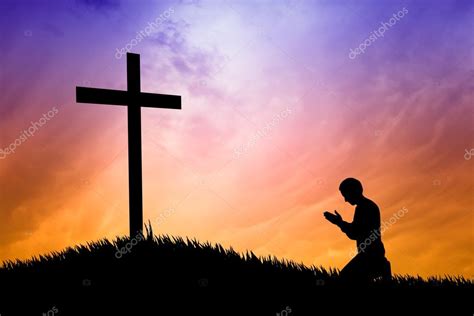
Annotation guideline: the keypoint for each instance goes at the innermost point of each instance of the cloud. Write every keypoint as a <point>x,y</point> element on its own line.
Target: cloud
<point>399,118</point>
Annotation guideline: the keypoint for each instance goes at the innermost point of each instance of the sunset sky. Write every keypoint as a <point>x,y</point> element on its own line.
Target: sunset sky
<point>276,112</point>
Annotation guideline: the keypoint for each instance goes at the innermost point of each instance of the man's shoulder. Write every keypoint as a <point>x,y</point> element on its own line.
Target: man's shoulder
<point>368,204</point>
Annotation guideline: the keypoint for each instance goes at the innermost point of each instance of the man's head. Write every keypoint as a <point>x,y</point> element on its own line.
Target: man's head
<point>351,189</point>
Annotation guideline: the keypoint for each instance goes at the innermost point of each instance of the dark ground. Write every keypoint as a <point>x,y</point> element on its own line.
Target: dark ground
<point>171,276</point>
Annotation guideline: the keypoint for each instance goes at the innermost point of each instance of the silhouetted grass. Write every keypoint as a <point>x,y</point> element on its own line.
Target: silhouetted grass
<point>159,270</point>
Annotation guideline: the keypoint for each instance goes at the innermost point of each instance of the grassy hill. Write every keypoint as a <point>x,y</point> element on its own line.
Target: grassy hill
<point>162,275</point>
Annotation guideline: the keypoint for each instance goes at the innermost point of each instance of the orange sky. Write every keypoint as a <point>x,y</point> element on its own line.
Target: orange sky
<point>275,114</point>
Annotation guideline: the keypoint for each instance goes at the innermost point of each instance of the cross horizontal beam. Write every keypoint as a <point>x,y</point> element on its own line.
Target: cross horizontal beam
<point>120,97</point>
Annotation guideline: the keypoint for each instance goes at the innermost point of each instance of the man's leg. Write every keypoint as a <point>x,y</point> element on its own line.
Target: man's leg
<point>357,271</point>
<point>380,268</point>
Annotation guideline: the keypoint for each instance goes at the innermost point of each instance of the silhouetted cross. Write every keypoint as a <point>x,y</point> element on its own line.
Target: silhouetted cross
<point>134,99</point>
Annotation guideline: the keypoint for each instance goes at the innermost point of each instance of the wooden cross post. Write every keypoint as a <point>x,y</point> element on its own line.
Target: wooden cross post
<point>134,99</point>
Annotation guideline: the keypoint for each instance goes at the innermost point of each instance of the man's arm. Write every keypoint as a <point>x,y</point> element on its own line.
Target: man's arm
<point>350,229</point>
<point>365,220</point>
<point>336,219</point>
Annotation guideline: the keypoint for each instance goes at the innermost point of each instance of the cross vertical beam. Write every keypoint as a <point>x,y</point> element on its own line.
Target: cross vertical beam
<point>134,99</point>
<point>134,116</point>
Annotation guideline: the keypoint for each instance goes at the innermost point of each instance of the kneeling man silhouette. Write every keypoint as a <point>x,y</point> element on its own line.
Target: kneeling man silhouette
<point>370,262</point>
